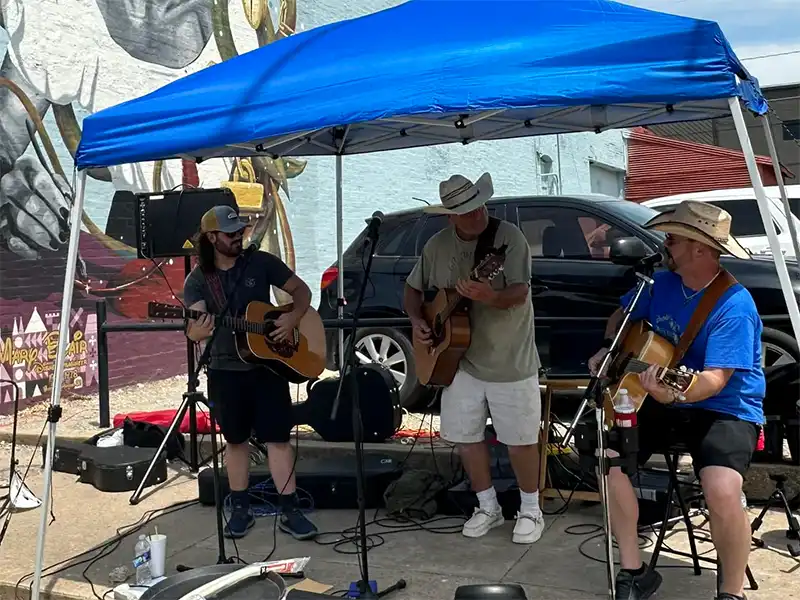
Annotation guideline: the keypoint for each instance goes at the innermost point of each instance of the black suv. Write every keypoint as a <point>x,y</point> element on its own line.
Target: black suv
<point>575,284</point>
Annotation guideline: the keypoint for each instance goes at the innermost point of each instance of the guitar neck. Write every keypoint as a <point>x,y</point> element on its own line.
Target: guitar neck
<point>636,366</point>
<point>235,323</point>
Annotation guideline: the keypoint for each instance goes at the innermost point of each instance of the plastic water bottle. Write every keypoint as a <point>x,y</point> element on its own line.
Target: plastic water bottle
<point>624,410</point>
<point>141,560</point>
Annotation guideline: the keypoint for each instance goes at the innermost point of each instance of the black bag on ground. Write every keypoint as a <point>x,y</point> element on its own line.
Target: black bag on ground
<point>141,434</point>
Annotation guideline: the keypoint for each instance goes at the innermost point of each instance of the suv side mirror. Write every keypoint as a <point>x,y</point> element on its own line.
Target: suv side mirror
<point>628,251</point>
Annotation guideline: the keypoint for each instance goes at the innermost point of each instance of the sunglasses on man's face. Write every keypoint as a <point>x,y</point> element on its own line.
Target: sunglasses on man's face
<point>231,236</point>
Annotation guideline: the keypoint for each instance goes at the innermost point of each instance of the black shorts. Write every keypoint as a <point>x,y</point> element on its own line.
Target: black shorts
<point>713,439</point>
<point>249,403</point>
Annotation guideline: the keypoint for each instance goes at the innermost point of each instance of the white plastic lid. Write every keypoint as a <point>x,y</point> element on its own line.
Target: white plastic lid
<point>623,391</point>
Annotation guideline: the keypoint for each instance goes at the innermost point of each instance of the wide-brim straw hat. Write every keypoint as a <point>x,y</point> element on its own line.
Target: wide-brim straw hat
<point>459,196</point>
<point>701,222</point>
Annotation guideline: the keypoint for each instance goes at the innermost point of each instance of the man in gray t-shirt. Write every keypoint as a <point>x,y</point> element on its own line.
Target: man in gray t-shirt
<point>498,374</point>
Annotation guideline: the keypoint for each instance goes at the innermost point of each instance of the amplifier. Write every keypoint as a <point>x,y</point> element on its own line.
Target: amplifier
<point>166,222</point>
<point>330,481</point>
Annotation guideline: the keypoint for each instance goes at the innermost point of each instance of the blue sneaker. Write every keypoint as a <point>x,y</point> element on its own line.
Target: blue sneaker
<point>295,523</point>
<point>239,523</point>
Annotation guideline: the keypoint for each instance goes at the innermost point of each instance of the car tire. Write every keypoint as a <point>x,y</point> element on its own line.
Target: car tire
<point>778,347</point>
<point>371,342</point>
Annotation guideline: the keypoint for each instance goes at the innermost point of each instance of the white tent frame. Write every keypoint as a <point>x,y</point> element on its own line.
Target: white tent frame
<point>446,130</point>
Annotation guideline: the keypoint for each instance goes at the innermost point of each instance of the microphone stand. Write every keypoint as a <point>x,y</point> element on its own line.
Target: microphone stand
<point>593,398</point>
<point>349,372</point>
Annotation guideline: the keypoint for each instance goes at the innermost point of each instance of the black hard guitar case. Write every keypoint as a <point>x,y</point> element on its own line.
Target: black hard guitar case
<point>120,468</point>
<point>115,469</point>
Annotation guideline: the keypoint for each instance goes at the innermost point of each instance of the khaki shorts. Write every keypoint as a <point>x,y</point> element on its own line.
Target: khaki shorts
<point>515,408</point>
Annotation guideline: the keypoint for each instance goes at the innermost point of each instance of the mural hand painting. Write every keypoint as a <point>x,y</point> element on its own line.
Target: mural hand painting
<point>34,209</point>
<point>60,61</point>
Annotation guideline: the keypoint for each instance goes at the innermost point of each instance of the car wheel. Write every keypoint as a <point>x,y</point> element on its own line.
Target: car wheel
<point>778,348</point>
<point>393,350</point>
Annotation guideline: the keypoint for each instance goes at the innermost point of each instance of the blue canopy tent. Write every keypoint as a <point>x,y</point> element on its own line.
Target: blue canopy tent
<point>432,72</point>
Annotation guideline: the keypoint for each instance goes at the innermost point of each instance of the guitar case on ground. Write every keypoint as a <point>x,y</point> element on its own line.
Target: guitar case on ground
<point>379,399</point>
<point>107,469</point>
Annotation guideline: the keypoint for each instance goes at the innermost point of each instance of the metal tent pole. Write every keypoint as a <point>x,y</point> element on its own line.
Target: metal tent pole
<point>339,263</point>
<point>763,208</point>
<point>776,165</point>
<point>58,374</point>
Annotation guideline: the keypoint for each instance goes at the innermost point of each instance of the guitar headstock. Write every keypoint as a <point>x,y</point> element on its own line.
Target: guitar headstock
<point>158,310</point>
<point>680,379</point>
<point>492,264</point>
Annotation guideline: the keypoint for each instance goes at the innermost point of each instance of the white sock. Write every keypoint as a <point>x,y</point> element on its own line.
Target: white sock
<point>487,499</point>
<point>529,503</point>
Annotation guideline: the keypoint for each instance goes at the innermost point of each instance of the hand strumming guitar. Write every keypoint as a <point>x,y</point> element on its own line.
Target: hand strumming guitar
<point>284,325</point>
<point>479,291</point>
<point>421,331</point>
<point>200,329</point>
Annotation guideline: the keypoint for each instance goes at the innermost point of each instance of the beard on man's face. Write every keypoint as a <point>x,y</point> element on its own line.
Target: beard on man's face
<point>229,247</point>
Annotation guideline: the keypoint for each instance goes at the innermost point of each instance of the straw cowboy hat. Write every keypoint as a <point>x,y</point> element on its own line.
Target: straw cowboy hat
<point>702,222</point>
<point>460,196</point>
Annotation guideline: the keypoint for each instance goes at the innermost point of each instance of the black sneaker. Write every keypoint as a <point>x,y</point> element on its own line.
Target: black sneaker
<point>727,596</point>
<point>240,522</point>
<point>637,587</point>
<point>296,524</point>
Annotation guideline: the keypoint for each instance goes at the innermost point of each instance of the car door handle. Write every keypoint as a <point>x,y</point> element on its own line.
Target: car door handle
<point>538,289</point>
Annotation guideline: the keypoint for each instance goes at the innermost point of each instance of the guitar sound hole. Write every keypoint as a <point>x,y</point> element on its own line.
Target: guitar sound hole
<point>284,348</point>
<point>437,330</point>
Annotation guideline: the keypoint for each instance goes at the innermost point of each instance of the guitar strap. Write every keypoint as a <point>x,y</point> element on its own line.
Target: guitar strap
<point>486,241</point>
<point>217,292</point>
<point>707,302</point>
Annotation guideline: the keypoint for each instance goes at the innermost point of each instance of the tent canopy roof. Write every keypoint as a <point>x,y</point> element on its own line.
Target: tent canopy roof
<point>434,72</point>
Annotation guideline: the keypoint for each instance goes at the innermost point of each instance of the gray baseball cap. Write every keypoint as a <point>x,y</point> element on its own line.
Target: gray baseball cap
<point>222,218</point>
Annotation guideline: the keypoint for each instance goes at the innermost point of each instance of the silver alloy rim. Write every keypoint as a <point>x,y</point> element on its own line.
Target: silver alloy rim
<point>773,355</point>
<point>383,350</point>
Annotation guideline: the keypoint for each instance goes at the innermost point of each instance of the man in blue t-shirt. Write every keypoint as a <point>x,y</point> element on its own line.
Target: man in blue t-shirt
<point>719,417</point>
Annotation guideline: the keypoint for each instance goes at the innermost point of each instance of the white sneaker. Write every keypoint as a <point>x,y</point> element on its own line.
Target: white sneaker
<point>528,529</point>
<point>482,521</point>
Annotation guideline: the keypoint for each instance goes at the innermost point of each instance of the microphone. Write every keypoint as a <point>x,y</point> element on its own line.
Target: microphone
<point>652,260</point>
<point>374,224</point>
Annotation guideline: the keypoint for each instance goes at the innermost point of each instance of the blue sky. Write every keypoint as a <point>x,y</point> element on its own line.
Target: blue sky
<point>753,29</point>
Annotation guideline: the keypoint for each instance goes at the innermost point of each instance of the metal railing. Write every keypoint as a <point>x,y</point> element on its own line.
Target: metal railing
<point>104,328</point>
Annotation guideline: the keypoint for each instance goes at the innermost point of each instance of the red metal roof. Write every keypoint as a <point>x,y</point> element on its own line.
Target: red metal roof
<point>659,166</point>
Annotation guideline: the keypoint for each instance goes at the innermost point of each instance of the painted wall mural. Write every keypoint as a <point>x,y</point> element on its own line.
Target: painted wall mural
<point>59,61</point>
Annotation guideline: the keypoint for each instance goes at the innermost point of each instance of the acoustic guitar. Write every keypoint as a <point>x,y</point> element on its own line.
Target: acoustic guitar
<point>297,360</point>
<point>447,316</point>
<point>641,348</point>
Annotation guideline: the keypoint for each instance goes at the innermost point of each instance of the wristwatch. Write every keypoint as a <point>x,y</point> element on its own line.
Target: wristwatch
<point>607,343</point>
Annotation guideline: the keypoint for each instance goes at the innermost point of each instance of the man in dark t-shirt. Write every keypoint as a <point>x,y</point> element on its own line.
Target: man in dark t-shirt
<point>247,400</point>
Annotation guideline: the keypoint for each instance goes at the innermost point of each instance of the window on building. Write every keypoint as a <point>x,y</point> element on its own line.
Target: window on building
<point>567,233</point>
<point>606,180</point>
<point>548,179</point>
